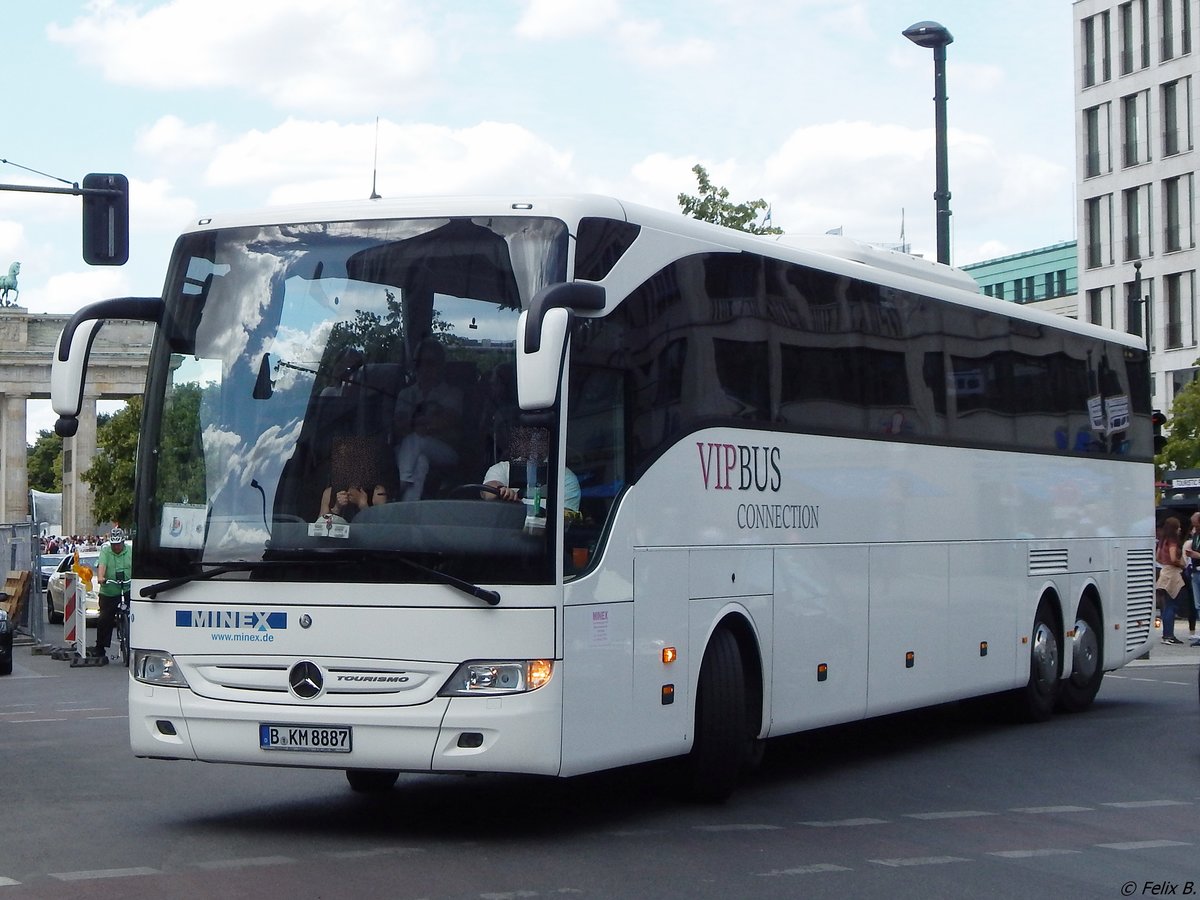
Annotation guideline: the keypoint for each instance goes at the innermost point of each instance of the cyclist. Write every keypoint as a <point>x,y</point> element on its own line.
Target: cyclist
<point>115,561</point>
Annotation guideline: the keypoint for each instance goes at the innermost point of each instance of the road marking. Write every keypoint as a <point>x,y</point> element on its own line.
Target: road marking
<point>1144,845</point>
<point>1027,854</point>
<point>1041,810</point>
<point>1146,804</point>
<point>743,827</point>
<point>104,873</point>
<point>245,862</point>
<point>7,882</point>
<point>804,870</point>
<point>920,861</point>
<point>363,854</point>
<point>953,814</point>
<point>845,823</point>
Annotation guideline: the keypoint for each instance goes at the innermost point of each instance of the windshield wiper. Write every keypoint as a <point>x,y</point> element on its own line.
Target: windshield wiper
<point>491,598</point>
<point>153,590</point>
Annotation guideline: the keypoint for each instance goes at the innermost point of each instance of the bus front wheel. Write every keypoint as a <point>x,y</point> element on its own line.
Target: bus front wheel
<point>1037,699</point>
<point>719,744</point>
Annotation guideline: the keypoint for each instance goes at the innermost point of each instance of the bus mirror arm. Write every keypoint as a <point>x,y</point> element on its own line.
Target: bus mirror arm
<point>570,295</point>
<point>69,366</point>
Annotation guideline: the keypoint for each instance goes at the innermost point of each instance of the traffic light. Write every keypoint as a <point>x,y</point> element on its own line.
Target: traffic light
<point>105,220</point>
<point>1158,420</point>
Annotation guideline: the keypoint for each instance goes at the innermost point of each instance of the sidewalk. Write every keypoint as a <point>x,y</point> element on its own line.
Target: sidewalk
<point>1172,654</point>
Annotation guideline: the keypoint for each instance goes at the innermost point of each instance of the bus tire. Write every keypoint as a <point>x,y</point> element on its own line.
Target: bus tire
<point>1087,661</point>
<point>1036,701</point>
<point>371,781</point>
<point>719,745</point>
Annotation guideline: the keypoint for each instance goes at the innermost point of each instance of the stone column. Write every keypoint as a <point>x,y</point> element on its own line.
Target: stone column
<point>78,452</point>
<point>15,484</point>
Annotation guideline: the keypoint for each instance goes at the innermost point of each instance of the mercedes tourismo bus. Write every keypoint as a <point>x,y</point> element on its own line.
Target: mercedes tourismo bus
<point>762,486</point>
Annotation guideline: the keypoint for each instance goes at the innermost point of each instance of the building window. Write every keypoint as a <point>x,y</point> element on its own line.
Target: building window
<point>1134,219</point>
<point>1091,131</point>
<point>1133,120</point>
<point>1125,26</point>
<point>1062,283</point>
<point>1094,209</point>
<point>1170,118</point>
<point>1089,51</point>
<point>1171,238</point>
<point>1185,27</point>
<point>1168,28</point>
<point>1018,291</point>
<point>1095,306</point>
<point>998,290</point>
<point>1173,285</point>
<point>1145,8</point>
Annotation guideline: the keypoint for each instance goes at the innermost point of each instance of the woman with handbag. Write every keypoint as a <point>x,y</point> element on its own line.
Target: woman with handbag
<point>1169,555</point>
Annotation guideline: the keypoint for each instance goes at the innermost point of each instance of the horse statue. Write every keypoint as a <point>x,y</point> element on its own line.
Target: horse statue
<point>8,284</point>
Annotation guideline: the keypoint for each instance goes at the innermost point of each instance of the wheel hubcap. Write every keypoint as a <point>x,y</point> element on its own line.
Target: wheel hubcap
<point>1045,656</point>
<point>1086,656</point>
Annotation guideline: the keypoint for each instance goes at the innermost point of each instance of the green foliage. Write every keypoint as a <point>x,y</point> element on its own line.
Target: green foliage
<point>181,475</point>
<point>1182,450</point>
<point>111,472</point>
<point>713,206</point>
<point>43,463</point>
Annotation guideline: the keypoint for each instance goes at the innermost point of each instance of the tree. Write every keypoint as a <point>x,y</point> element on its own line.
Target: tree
<point>1182,449</point>
<point>43,463</point>
<point>111,472</point>
<point>713,206</point>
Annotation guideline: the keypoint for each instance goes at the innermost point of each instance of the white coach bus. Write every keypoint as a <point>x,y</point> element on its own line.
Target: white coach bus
<point>764,486</point>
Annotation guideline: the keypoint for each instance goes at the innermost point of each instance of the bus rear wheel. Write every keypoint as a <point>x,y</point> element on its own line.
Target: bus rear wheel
<point>719,746</point>
<point>371,781</point>
<point>1087,661</point>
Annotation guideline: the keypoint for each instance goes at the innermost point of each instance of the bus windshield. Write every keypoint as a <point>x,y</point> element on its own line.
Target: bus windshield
<point>341,390</point>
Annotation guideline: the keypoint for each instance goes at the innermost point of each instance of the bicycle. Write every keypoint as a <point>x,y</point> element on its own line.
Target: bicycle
<point>121,617</point>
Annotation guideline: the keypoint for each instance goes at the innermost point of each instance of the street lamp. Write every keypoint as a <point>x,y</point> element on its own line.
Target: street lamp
<point>933,36</point>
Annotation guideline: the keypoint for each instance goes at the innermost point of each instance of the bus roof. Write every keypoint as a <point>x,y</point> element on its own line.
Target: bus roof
<point>836,254</point>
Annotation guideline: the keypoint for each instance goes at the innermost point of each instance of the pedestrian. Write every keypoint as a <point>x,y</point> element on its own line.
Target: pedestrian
<point>114,564</point>
<point>1191,550</point>
<point>1169,555</point>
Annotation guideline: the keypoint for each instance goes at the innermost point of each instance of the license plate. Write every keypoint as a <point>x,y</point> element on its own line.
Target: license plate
<point>312,738</point>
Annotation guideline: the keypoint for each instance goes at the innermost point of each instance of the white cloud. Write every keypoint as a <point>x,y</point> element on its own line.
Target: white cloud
<point>303,161</point>
<point>544,20</point>
<point>68,291</point>
<point>171,137</point>
<point>345,55</point>
<point>643,42</point>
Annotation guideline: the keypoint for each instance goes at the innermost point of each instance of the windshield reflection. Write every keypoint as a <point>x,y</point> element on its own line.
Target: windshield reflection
<point>343,386</point>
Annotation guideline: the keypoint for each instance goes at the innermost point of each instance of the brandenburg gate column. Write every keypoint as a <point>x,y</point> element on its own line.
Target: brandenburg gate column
<point>15,485</point>
<point>78,453</point>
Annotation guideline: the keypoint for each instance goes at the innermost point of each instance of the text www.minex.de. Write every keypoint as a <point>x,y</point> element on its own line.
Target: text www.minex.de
<point>264,637</point>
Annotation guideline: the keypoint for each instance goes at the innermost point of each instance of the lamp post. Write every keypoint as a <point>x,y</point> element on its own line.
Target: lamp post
<point>933,36</point>
<point>1141,302</point>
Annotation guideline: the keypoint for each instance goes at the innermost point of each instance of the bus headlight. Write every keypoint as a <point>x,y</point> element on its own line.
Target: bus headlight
<point>489,677</point>
<point>158,668</point>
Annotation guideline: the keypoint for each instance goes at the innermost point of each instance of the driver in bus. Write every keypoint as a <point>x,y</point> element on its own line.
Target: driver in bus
<point>524,443</point>
<point>429,416</point>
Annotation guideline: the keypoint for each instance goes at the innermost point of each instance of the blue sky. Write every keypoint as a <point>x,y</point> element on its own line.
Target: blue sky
<point>821,107</point>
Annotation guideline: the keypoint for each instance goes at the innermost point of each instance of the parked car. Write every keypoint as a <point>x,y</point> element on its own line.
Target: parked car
<point>55,603</point>
<point>50,562</point>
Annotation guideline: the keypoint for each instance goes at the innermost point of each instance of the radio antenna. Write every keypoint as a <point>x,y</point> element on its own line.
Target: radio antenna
<point>375,163</point>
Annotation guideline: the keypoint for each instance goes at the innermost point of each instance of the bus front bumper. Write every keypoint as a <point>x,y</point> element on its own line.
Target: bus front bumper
<point>516,733</point>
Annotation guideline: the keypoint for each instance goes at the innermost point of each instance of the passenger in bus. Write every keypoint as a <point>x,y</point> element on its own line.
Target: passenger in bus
<point>359,477</point>
<point>427,421</point>
<point>1169,585</point>
<point>347,371</point>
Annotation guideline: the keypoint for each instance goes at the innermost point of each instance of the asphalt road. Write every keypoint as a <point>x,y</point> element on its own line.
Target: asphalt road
<point>948,802</point>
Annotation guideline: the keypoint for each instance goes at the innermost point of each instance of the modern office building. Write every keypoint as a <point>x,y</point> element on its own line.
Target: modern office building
<point>1045,278</point>
<point>1136,69</point>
